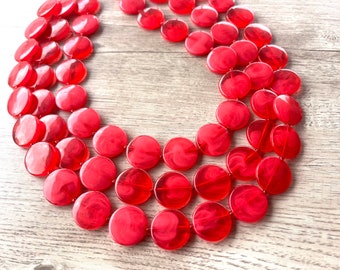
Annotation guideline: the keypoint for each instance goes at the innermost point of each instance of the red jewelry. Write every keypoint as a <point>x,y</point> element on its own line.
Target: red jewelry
<point>252,69</point>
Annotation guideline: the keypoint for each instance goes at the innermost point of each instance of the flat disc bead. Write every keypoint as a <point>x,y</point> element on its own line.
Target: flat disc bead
<point>46,77</point>
<point>199,43</point>
<point>262,102</point>
<point>21,75</point>
<point>274,56</point>
<point>56,128</point>
<point>51,53</point>
<point>91,210</point>
<point>235,84</point>
<point>204,16</point>
<point>173,190</point>
<point>36,28</point>
<point>49,8</point>
<point>181,6</point>
<point>241,16</point>
<point>85,25</point>
<point>83,123</point>
<point>60,29</point>
<point>71,71</point>
<point>67,7</point>
<point>175,30</point>
<point>29,50</point>
<point>212,182</point>
<point>233,114</point>
<point>132,7</point>
<point>248,203</point>
<point>150,18</point>
<point>221,59</point>
<point>221,5</point>
<point>287,109</point>
<point>212,221</point>
<point>258,33</point>
<point>285,82</point>
<point>71,97</point>
<point>78,47</point>
<point>246,51</point>
<point>88,7</point>
<point>128,225</point>
<point>286,141</point>
<point>159,1</point>
<point>258,135</point>
<point>273,175</point>
<point>62,187</point>
<point>134,186</point>
<point>170,229</point>
<point>20,102</point>
<point>45,102</point>
<point>224,33</point>
<point>260,74</point>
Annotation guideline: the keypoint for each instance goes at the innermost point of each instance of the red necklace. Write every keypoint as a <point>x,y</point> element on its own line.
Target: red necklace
<point>252,70</point>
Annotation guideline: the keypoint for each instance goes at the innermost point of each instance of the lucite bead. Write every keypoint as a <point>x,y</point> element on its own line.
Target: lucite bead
<point>260,74</point>
<point>20,102</point>
<point>36,28</point>
<point>233,114</point>
<point>71,97</point>
<point>175,30</point>
<point>224,33</point>
<point>241,16</point>
<point>287,109</point>
<point>150,18</point>
<point>235,84</point>
<point>181,7</point>
<point>71,71</point>
<point>132,7</point>
<point>159,1</point>
<point>274,56</point>
<point>56,128</point>
<point>28,51</point>
<point>262,102</point>
<point>87,7</point>
<point>221,5</point>
<point>85,25</point>
<point>45,102</point>
<point>83,123</point>
<point>21,75</point>
<point>46,77</point>
<point>67,7</point>
<point>60,29</point>
<point>199,43</point>
<point>258,33</point>
<point>246,51</point>
<point>204,16</point>
<point>221,59</point>
<point>285,82</point>
<point>49,8</point>
<point>286,141</point>
<point>258,135</point>
<point>78,47</point>
<point>51,53</point>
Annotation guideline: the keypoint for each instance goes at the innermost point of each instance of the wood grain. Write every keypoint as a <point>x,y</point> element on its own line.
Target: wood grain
<point>148,86</point>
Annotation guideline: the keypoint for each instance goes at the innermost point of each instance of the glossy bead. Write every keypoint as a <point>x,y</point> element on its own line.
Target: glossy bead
<point>285,82</point>
<point>128,225</point>
<point>71,98</point>
<point>224,33</point>
<point>287,109</point>
<point>181,6</point>
<point>212,221</point>
<point>85,25</point>
<point>36,28</point>
<point>241,16</point>
<point>261,103</point>
<point>248,203</point>
<point>213,139</point>
<point>286,141</point>
<point>260,74</point>
<point>150,18</point>
<point>143,152</point>
<point>28,51</point>
<point>21,75</point>
<point>28,130</point>
<point>221,59</point>
<point>67,7</point>
<point>246,51</point>
<point>98,173</point>
<point>235,84</point>
<point>173,190</point>
<point>204,16</point>
<point>233,114</point>
<point>83,123</point>
<point>212,182</point>
<point>242,163</point>
<point>62,187</point>
<point>46,77</point>
<point>91,210</point>
<point>274,56</point>
<point>273,175</point>
<point>170,229</point>
<point>258,33</point>
<point>60,29</point>
<point>88,7</point>
<point>49,8</point>
<point>20,102</point>
<point>110,141</point>
<point>51,53</point>
<point>180,154</point>
<point>159,1</point>
<point>41,159</point>
<point>78,47</point>
<point>56,128</point>
<point>199,43</point>
<point>175,30</point>
<point>258,135</point>
<point>45,102</point>
<point>73,153</point>
<point>221,5</point>
<point>132,7</point>
<point>134,186</point>
<point>71,71</point>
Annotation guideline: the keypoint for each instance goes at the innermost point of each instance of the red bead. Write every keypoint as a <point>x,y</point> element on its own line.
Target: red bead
<point>67,7</point>
<point>56,128</point>
<point>273,175</point>
<point>213,139</point>
<point>128,225</point>
<point>199,43</point>
<point>204,16</point>
<point>84,122</point>
<point>46,77</point>
<point>21,75</point>
<point>260,74</point>
<point>181,6</point>
<point>41,159</point>
<point>262,104</point>
<point>258,33</point>
<point>285,82</point>
<point>49,8</point>
<point>175,30</point>
<point>143,152</point>
<point>258,135</point>
<point>78,47</point>
<point>36,28</point>
<point>241,16</point>
<point>274,56</point>
<point>73,152</point>
<point>85,25</point>
<point>91,210</point>
<point>28,51</point>
<point>212,182</point>
<point>221,5</point>
<point>173,190</point>
<point>20,102</point>
<point>98,173</point>
<point>71,98</point>
<point>170,229</point>
<point>233,114</point>
<point>224,33</point>
<point>159,1</point>
<point>287,109</point>
<point>134,186</point>
<point>150,18</point>
<point>132,7</point>
<point>286,142</point>
<point>51,53</point>
<point>45,102</point>
<point>62,187</point>
<point>88,7</point>
<point>212,221</point>
<point>242,163</point>
<point>60,29</point>
<point>28,130</point>
<point>246,52</point>
<point>248,203</point>
<point>235,84</point>
<point>71,71</point>
<point>180,154</point>
<point>221,59</point>
<point>110,141</point>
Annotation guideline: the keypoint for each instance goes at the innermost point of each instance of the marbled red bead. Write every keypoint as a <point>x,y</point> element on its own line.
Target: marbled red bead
<point>36,28</point>
<point>259,34</point>
<point>22,75</point>
<point>71,71</point>
<point>132,7</point>
<point>233,114</point>
<point>221,59</point>
<point>45,102</point>
<point>260,74</point>
<point>60,29</point>
<point>46,77</point>
<point>68,7</point>
<point>224,33</point>
<point>199,43</point>
<point>241,16</point>
<point>56,128</point>
<point>28,51</point>
<point>20,102</point>
<point>159,1</point>
<point>85,25</point>
<point>88,7</point>
<point>258,135</point>
<point>285,82</point>
<point>150,18</point>
<point>221,5</point>
<point>175,30</point>
<point>181,7</point>
<point>78,47</point>
<point>246,51</point>
<point>49,8</point>
<point>71,97</point>
<point>274,56</point>
<point>235,84</point>
<point>83,123</point>
<point>51,53</point>
<point>286,141</point>
<point>261,103</point>
<point>204,16</point>
<point>287,109</point>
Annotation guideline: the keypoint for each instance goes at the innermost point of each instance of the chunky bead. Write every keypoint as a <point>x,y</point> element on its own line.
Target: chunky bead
<point>60,29</point>
<point>221,5</point>
<point>20,102</point>
<point>204,16</point>
<point>287,109</point>
<point>85,25</point>
<point>233,114</point>
<point>258,135</point>
<point>46,77</point>
<point>175,30</point>
<point>286,141</point>
<point>51,53</point>
<point>181,6</point>
<point>56,128</point>
<point>199,43</point>
<point>49,8</point>
<point>285,82</point>
<point>45,102</point>
<point>132,7</point>
<point>83,123</point>
<point>246,51</point>
<point>241,16</point>
<point>36,28</point>
<point>274,56</point>
<point>150,18</point>
<point>78,47</point>
<point>262,102</point>
<point>21,75</point>
<point>258,33</point>
<point>28,51</point>
<point>67,7</point>
<point>71,97</point>
<point>87,7</point>
<point>235,84</point>
<point>71,71</point>
<point>224,33</point>
<point>260,74</point>
<point>221,59</point>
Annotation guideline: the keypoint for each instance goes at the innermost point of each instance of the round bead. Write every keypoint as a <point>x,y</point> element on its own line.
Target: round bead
<point>73,152</point>
<point>212,182</point>
<point>60,29</point>
<point>20,102</point>
<point>199,43</point>
<point>150,18</point>
<point>175,30</point>
<point>213,139</point>
<point>78,47</point>
<point>143,152</point>
<point>221,5</point>
<point>88,7</point>
<point>159,1</point>
<point>41,159</point>
<point>224,33</point>
<point>173,190</point>
<point>181,6</point>
<point>273,175</point>
<point>274,56</point>
<point>71,71</point>
<point>241,16</point>
<point>21,75</point>
<point>83,123</point>
<point>45,102</point>
<point>51,53</point>
<point>287,109</point>
<point>246,52</point>
<point>242,163</point>
<point>134,186</point>
<point>204,16</point>
<point>91,210</point>
<point>221,59</point>
<point>132,7</point>
<point>286,141</point>
<point>170,229</point>
<point>233,114</point>
<point>285,82</point>
<point>29,50</point>
<point>258,135</point>
<point>62,187</point>
<point>212,221</point>
<point>36,28</point>
<point>260,74</point>
<point>180,154</point>
<point>248,203</point>
<point>110,141</point>
<point>258,33</point>
<point>71,98</point>
<point>56,128</point>
<point>261,103</point>
<point>46,77</point>
<point>128,225</point>
<point>49,8</point>
<point>235,84</point>
<point>85,25</point>
<point>67,7</point>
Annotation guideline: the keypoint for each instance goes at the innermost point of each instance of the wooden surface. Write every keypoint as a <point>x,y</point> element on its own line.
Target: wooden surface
<point>148,86</point>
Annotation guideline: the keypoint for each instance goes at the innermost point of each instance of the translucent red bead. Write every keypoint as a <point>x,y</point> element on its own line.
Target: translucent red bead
<point>150,18</point>
<point>175,30</point>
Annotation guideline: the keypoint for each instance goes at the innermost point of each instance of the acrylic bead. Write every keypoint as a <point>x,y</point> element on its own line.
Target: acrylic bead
<point>287,109</point>
<point>159,1</point>
<point>49,8</point>
<point>51,53</point>
<point>224,33</point>
<point>286,141</point>
<point>260,74</point>
<point>150,18</point>
<point>246,51</point>
<point>262,102</point>
<point>78,47</point>
<point>241,16</point>
<point>85,25</point>
<point>67,7</point>
<point>87,7</point>
<point>71,97</point>
<point>221,59</point>
<point>21,75</point>
<point>285,82</point>
<point>233,114</point>
<point>181,7</point>
<point>56,128</point>
<point>235,84</point>
<point>274,56</point>
<point>36,28</point>
<point>60,29</point>
<point>204,16</point>
<point>132,7</point>
<point>258,135</point>
<point>259,34</point>
<point>28,51</point>
<point>45,102</point>
<point>21,102</point>
<point>46,77</point>
<point>71,71</point>
<point>175,30</point>
<point>84,122</point>
<point>199,43</point>
<point>221,5</point>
